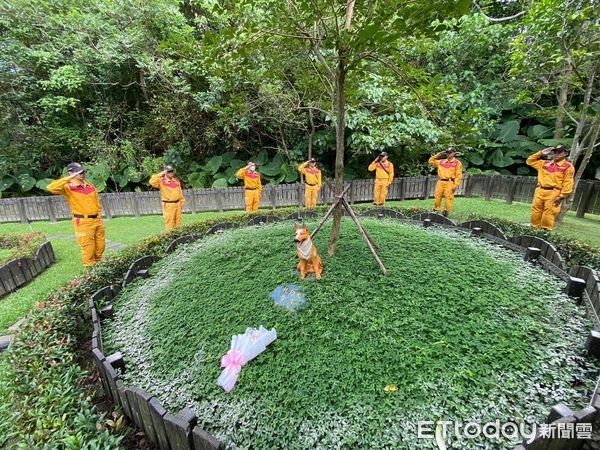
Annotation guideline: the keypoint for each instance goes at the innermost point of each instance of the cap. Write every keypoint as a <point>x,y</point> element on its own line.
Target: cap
<point>75,167</point>
<point>451,150</point>
<point>560,149</point>
<point>169,169</point>
<point>383,154</point>
<point>312,160</point>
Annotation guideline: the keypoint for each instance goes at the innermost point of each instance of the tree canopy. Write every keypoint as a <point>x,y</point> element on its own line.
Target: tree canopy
<point>125,86</point>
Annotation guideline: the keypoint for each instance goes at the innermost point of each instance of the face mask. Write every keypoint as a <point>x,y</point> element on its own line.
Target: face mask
<point>252,168</point>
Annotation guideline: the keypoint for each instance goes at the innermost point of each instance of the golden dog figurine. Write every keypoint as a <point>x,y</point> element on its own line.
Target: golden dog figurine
<point>310,262</point>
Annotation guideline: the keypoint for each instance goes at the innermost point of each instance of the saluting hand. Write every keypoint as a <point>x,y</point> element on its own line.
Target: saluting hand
<point>546,151</point>
<point>74,174</point>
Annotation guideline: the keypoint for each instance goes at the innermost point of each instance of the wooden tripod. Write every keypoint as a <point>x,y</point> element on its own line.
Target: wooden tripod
<point>370,243</point>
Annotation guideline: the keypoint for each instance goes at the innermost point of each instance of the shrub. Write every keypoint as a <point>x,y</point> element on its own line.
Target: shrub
<point>43,397</point>
<point>13,246</point>
<point>574,251</point>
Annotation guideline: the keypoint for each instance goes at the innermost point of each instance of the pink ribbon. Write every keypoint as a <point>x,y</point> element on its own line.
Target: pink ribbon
<point>232,362</point>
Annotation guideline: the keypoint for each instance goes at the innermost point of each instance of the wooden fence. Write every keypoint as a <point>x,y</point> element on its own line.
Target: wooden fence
<point>506,187</point>
<point>181,431</point>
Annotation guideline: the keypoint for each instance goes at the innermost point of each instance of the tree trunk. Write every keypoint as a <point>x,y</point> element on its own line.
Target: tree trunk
<point>592,137</point>
<point>577,146</point>
<point>340,106</point>
<point>349,13</point>
<point>311,136</point>
<point>563,99</point>
<point>588,153</point>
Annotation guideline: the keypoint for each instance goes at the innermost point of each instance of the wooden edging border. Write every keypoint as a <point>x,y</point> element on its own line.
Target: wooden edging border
<point>18,272</point>
<point>168,431</point>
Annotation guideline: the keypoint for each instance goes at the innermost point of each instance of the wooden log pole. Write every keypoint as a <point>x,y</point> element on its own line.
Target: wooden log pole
<point>105,208</point>
<point>135,205</point>
<point>273,193</point>
<point>192,197</point>
<point>219,196</point>
<point>371,240</point>
<point>326,216</point>
<point>363,233</point>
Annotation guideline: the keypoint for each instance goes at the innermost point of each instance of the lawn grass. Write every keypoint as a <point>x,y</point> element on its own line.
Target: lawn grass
<point>461,327</point>
<point>129,230</point>
<point>586,229</point>
<point>123,230</point>
<point>66,267</point>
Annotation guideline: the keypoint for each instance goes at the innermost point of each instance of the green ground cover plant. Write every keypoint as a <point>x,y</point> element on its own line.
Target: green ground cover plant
<point>47,395</point>
<point>43,402</point>
<point>465,330</point>
<point>14,246</point>
<point>122,230</point>
<point>578,240</point>
<point>585,229</point>
<point>19,303</point>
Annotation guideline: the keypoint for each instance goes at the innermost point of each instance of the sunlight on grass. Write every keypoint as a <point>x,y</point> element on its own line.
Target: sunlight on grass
<point>66,267</point>
<point>129,230</point>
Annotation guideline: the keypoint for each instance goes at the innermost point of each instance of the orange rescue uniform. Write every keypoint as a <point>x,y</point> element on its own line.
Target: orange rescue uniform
<point>83,200</point>
<point>384,175</point>
<point>312,177</point>
<point>450,175</point>
<point>172,199</point>
<point>253,188</point>
<point>554,180</point>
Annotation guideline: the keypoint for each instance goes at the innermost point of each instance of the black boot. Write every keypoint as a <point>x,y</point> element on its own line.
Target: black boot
<point>445,214</point>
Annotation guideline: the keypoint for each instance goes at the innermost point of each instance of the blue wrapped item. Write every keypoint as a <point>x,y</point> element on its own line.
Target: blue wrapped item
<point>290,297</point>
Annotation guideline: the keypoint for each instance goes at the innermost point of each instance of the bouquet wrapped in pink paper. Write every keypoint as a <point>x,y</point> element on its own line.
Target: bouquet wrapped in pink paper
<point>244,347</point>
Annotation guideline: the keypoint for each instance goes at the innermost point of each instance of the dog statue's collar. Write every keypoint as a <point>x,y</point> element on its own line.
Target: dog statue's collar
<point>305,248</point>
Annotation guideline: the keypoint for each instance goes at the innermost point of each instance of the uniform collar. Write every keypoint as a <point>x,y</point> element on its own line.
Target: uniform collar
<point>76,183</point>
<point>561,163</point>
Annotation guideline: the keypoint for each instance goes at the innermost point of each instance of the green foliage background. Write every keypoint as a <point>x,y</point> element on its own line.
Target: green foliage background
<point>126,86</point>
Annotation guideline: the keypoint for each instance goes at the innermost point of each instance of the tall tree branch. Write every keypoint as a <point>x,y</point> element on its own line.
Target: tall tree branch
<point>349,13</point>
<point>388,64</point>
<point>500,19</point>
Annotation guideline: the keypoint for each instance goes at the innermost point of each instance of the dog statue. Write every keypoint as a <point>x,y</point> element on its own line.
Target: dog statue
<point>310,262</point>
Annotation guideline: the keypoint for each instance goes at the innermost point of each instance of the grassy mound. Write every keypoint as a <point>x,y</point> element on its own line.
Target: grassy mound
<point>465,330</point>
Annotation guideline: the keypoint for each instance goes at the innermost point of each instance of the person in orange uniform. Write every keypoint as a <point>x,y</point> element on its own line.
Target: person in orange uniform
<point>171,196</point>
<point>312,178</point>
<point>83,200</point>
<point>252,186</point>
<point>384,175</point>
<point>449,171</point>
<point>555,183</point>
